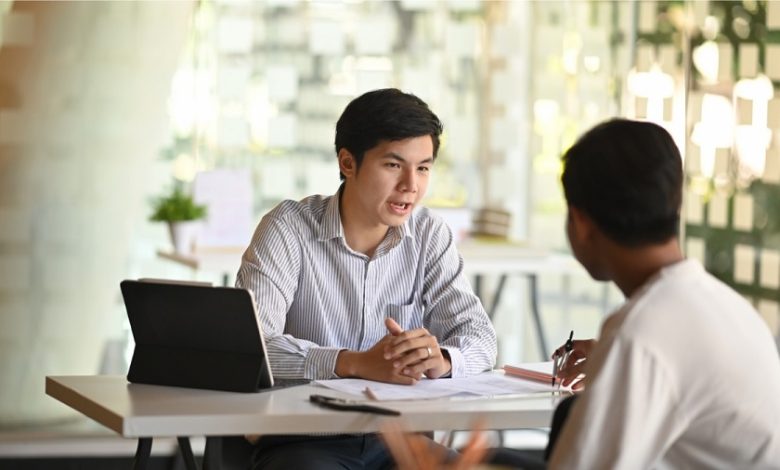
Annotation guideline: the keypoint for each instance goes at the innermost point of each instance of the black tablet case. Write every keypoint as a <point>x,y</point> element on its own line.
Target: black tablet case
<point>195,336</point>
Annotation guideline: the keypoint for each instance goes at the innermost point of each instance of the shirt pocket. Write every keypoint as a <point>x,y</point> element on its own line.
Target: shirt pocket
<point>409,316</point>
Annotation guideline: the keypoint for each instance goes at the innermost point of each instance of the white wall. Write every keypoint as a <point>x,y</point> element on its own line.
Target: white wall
<point>83,88</point>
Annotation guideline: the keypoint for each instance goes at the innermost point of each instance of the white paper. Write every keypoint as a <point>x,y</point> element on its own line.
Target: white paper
<point>725,58</point>
<point>282,131</point>
<point>326,38</point>
<point>418,5</point>
<point>773,15</point>
<point>282,82</point>
<point>489,384</point>
<point>748,60</point>
<point>744,262</point>
<point>694,249</point>
<point>648,16</point>
<point>232,81</point>
<point>718,211</point>
<point>743,212</point>
<point>228,196</point>
<point>233,132</point>
<point>772,61</point>
<point>278,178</point>
<point>770,269</point>
<point>375,36</point>
<point>234,35</point>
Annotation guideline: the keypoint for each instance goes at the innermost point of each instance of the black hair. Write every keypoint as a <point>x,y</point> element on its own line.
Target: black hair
<point>627,176</point>
<point>386,114</point>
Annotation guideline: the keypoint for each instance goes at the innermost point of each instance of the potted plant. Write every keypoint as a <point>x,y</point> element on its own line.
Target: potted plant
<point>182,214</point>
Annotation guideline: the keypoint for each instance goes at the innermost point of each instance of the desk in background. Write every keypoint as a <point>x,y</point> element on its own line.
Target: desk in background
<point>148,411</point>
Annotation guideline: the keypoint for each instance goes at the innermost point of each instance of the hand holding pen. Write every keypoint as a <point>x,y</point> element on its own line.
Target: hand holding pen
<point>569,362</point>
<point>560,358</point>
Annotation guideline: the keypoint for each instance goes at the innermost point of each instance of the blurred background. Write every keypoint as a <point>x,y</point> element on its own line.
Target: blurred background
<point>107,106</point>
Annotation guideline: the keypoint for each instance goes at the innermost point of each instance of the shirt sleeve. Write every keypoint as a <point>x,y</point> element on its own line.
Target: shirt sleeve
<point>270,269</point>
<point>454,314</point>
<point>626,418</point>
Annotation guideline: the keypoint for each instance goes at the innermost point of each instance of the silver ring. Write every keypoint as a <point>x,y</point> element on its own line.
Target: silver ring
<point>430,353</point>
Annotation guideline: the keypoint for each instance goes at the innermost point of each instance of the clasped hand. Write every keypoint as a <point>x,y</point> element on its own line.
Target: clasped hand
<point>401,357</point>
<point>414,353</point>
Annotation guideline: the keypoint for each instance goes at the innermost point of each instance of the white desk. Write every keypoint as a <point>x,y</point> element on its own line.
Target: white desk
<point>147,411</point>
<point>479,258</point>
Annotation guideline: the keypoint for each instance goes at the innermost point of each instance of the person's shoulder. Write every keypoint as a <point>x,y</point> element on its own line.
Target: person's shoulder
<point>311,207</point>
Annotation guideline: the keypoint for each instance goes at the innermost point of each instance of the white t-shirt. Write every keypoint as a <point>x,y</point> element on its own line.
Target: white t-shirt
<point>685,375</point>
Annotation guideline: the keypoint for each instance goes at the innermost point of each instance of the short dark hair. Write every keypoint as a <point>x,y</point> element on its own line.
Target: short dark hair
<point>627,176</point>
<point>386,114</point>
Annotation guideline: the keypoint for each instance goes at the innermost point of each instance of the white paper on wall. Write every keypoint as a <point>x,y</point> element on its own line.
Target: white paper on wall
<point>375,36</point>
<point>773,15</point>
<point>770,269</point>
<point>772,61</point>
<point>748,60</point>
<point>648,16</point>
<point>743,212</point>
<point>234,35</point>
<point>744,263</point>
<point>282,83</point>
<point>326,38</point>
<point>694,249</point>
<point>282,131</point>
<point>227,194</point>
<point>233,132</point>
<point>232,81</point>
<point>278,178</point>
<point>718,211</point>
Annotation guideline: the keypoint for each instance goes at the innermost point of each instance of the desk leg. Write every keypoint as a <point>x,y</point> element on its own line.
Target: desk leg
<point>532,287</point>
<point>490,309</point>
<point>212,454</point>
<point>142,453</point>
<point>186,453</point>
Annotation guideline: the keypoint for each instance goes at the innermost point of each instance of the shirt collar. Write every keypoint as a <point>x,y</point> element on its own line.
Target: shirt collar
<point>332,227</point>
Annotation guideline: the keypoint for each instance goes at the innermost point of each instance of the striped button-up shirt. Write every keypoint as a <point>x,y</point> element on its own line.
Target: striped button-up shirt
<point>316,296</point>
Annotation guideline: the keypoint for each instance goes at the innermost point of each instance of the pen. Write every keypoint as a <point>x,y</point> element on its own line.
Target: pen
<point>370,394</point>
<point>560,360</point>
<point>346,405</point>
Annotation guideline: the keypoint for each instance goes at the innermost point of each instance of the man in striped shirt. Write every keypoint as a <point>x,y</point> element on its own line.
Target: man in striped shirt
<point>363,283</point>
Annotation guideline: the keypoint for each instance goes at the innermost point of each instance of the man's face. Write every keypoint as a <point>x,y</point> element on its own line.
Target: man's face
<point>391,180</point>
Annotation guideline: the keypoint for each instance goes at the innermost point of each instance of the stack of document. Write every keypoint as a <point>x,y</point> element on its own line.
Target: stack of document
<point>488,384</point>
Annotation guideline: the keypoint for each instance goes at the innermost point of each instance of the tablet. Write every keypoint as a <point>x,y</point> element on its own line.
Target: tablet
<point>195,335</point>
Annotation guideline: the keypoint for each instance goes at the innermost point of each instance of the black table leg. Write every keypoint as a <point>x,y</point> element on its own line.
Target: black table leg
<point>186,453</point>
<point>142,453</point>
<point>212,454</point>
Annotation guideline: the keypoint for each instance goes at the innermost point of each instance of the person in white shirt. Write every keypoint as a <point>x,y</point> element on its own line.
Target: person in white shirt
<point>686,373</point>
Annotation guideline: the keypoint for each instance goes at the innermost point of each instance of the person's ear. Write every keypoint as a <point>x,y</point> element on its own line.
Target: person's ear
<point>347,163</point>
